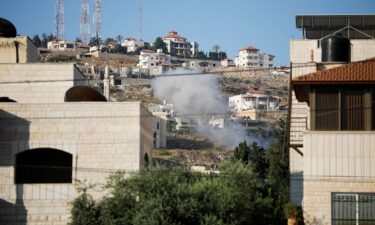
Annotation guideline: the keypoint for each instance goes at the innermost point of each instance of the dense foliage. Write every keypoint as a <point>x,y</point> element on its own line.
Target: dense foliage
<point>250,189</point>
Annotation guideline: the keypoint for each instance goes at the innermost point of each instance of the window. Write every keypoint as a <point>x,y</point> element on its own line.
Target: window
<point>344,108</point>
<point>352,113</point>
<point>157,125</point>
<point>43,165</point>
<point>353,208</point>
<point>327,110</point>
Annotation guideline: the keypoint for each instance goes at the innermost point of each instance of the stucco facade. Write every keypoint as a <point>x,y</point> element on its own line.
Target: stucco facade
<point>19,49</point>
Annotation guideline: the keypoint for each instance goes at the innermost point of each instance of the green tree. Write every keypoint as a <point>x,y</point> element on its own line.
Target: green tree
<point>95,41</point>
<point>45,39</point>
<point>37,41</point>
<point>201,55</point>
<point>119,38</point>
<point>160,44</point>
<point>216,49</point>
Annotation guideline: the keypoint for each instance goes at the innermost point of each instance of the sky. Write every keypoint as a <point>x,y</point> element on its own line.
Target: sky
<point>232,24</point>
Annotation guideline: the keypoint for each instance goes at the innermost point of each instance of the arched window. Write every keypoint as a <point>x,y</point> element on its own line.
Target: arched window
<point>83,94</point>
<point>43,165</point>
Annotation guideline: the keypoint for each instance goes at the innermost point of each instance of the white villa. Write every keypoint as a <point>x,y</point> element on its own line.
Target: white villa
<point>254,99</point>
<point>132,44</point>
<point>61,45</point>
<point>178,45</point>
<point>153,63</point>
<point>250,57</point>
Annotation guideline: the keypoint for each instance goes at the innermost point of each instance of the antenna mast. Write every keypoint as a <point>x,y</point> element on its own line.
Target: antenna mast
<point>97,18</point>
<point>59,19</point>
<point>85,23</point>
<point>140,19</point>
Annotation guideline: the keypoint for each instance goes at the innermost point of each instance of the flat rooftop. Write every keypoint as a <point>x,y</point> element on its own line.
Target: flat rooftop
<point>350,26</point>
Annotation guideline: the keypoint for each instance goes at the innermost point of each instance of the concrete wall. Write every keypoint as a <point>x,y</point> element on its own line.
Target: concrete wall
<point>317,196</point>
<point>39,82</point>
<point>339,154</point>
<point>27,51</point>
<point>102,137</point>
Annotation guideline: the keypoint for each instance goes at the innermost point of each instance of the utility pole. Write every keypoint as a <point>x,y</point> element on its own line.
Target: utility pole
<point>59,19</point>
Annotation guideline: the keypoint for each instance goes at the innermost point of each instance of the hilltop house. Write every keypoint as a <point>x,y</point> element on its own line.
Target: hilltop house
<point>153,63</point>
<point>178,45</point>
<point>132,44</point>
<point>254,100</point>
<point>331,130</point>
<point>61,45</point>
<point>249,57</point>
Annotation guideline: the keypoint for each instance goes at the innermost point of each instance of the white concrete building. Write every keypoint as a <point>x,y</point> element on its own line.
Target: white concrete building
<point>153,63</point>
<point>178,45</point>
<point>132,44</point>
<point>254,99</point>
<point>331,138</point>
<point>58,132</point>
<point>61,45</point>
<point>249,57</point>
<point>163,113</point>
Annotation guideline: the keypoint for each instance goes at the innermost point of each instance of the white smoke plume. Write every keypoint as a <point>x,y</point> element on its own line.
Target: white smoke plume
<point>197,98</point>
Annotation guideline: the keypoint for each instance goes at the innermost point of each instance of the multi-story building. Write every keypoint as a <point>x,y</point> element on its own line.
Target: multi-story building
<point>61,45</point>
<point>250,57</point>
<point>331,130</point>
<point>55,131</point>
<point>132,44</point>
<point>153,63</point>
<point>254,99</point>
<point>178,45</point>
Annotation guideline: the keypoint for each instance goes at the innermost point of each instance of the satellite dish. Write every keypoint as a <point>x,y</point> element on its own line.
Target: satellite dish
<point>7,29</point>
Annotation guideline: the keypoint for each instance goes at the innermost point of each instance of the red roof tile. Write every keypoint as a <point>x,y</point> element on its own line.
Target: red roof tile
<point>173,34</point>
<point>147,51</point>
<point>362,72</point>
<point>356,72</point>
<point>251,48</point>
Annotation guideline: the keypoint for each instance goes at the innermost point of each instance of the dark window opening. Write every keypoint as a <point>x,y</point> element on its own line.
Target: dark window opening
<point>43,165</point>
<point>353,113</point>
<point>146,161</point>
<point>327,110</point>
<point>353,208</point>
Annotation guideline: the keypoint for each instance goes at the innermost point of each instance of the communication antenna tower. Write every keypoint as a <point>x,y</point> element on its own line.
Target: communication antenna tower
<point>85,23</point>
<point>140,19</point>
<point>97,18</point>
<point>59,19</point>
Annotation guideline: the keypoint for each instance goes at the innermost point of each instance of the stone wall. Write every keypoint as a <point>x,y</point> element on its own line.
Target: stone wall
<point>317,195</point>
<point>39,82</point>
<point>27,51</point>
<point>102,137</point>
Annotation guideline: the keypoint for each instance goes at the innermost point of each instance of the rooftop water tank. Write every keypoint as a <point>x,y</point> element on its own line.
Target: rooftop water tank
<point>7,29</point>
<point>336,48</point>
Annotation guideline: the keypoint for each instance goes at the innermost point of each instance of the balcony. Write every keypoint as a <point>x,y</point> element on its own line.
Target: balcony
<point>339,154</point>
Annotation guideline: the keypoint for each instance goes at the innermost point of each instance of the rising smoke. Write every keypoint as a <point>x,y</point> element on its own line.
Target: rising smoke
<point>197,98</point>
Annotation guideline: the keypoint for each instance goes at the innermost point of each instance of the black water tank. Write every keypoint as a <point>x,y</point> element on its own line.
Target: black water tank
<point>7,29</point>
<point>336,49</point>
